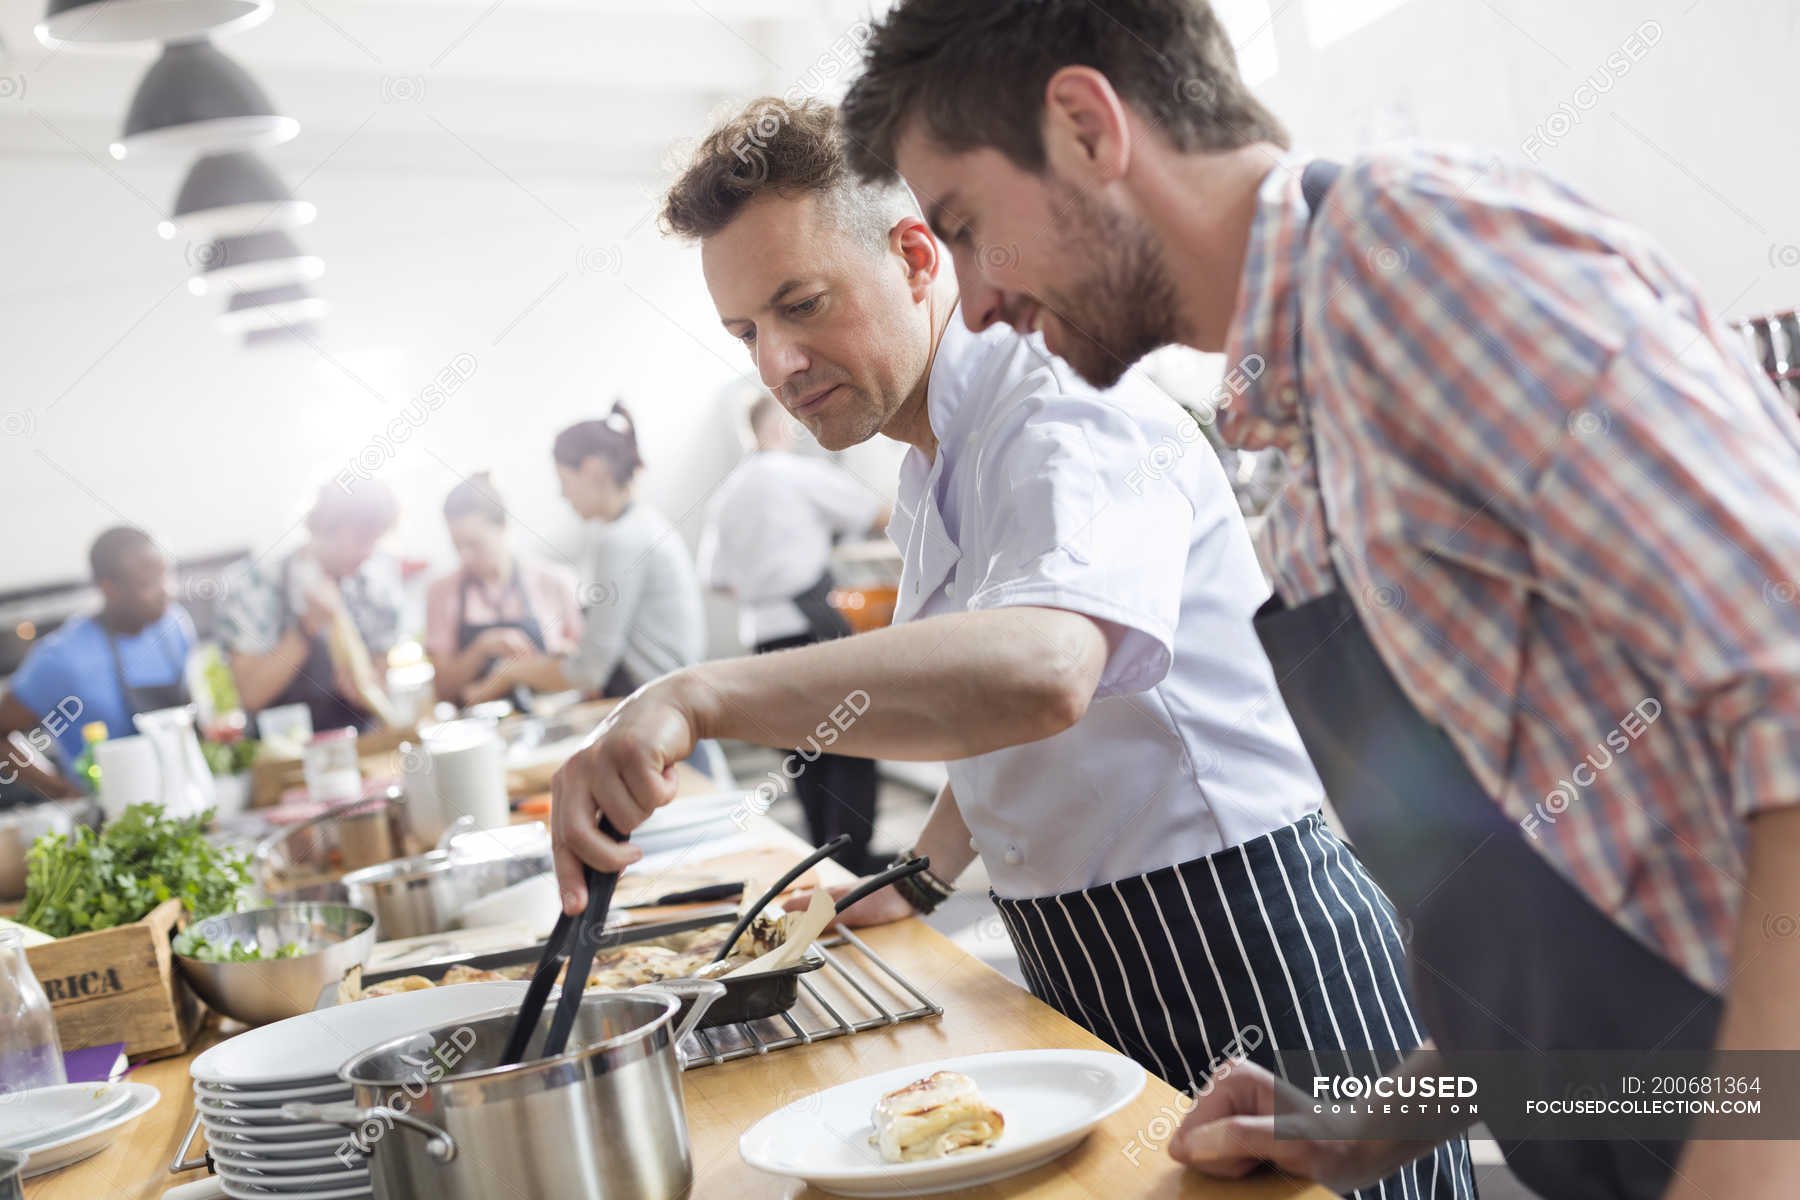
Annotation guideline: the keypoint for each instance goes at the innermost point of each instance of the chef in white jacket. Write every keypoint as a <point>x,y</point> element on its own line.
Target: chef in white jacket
<point>1073,637</point>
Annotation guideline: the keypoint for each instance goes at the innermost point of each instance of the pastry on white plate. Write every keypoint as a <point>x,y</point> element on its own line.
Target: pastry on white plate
<point>932,1117</point>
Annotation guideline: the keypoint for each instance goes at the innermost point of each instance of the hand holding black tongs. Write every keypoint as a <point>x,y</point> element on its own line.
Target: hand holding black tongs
<point>874,884</point>
<point>582,935</point>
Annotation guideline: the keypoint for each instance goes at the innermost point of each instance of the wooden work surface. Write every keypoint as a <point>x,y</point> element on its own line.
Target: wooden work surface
<point>983,1011</point>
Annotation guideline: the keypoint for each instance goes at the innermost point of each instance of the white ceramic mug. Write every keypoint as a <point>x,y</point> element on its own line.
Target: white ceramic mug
<point>130,773</point>
<point>468,773</point>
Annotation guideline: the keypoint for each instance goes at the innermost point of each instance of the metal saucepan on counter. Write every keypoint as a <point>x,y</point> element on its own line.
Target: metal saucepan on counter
<point>427,892</point>
<point>11,1163</point>
<point>604,1120</point>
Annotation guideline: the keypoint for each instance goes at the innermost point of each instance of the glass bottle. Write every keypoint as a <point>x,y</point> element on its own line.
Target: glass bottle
<point>30,1052</point>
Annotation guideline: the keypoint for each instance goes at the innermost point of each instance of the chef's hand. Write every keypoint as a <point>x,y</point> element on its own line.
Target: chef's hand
<point>319,608</point>
<point>1231,1132</point>
<point>627,772</point>
<point>877,908</point>
<point>505,643</point>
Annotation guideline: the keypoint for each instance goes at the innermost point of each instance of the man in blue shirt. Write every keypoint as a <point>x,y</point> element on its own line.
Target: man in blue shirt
<point>128,658</point>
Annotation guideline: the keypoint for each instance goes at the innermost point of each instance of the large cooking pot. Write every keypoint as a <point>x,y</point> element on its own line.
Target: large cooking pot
<point>438,1118</point>
<point>12,1164</point>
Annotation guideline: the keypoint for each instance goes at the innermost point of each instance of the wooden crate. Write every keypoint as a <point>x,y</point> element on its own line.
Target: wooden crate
<point>121,984</point>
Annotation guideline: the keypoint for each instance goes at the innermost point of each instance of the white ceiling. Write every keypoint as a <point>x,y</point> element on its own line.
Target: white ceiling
<point>531,88</point>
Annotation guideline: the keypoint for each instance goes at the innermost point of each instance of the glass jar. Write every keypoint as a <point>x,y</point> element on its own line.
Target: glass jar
<point>333,772</point>
<point>30,1052</point>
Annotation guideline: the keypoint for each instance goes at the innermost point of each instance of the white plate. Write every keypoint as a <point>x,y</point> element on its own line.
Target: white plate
<point>273,1097</point>
<point>238,1191</point>
<point>91,1139</point>
<point>1049,1098</point>
<point>308,1148</point>
<point>246,1164</point>
<point>302,1048</point>
<point>318,1180</point>
<point>284,1135</point>
<point>49,1114</point>
<point>248,1119</point>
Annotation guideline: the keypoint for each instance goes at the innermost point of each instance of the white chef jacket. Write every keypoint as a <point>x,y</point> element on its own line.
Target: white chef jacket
<point>768,536</point>
<point>1046,492</point>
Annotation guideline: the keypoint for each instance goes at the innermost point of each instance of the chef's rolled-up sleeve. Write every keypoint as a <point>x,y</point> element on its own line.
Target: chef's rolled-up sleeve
<point>1076,514</point>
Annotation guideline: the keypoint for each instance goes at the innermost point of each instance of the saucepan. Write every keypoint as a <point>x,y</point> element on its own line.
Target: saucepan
<point>436,1117</point>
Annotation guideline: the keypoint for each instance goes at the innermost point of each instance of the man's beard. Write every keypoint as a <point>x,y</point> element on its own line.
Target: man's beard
<point>1125,305</point>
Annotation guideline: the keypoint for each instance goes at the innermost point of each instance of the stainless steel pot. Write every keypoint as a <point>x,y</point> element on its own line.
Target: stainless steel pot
<point>437,1118</point>
<point>413,896</point>
<point>12,1162</point>
<point>426,893</point>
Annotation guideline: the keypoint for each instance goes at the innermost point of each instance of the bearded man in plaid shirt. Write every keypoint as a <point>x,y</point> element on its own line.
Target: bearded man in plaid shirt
<point>1535,564</point>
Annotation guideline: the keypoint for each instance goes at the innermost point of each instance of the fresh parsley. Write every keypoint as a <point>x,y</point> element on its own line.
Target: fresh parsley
<point>82,882</point>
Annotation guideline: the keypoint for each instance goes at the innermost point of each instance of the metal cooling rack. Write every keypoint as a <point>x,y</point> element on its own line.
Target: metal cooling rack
<point>839,999</point>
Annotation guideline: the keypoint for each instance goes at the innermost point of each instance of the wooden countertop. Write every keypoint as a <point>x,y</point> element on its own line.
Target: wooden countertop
<point>983,1011</point>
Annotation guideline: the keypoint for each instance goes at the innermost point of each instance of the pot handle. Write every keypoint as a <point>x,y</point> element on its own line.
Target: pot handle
<point>440,1145</point>
<point>702,994</point>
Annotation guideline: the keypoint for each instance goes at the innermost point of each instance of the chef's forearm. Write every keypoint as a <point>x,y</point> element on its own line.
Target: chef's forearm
<point>1760,1014</point>
<point>262,677</point>
<point>945,687</point>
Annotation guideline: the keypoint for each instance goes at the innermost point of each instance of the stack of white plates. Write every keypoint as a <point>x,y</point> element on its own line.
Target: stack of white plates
<point>63,1124</point>
<point>241,1084</point>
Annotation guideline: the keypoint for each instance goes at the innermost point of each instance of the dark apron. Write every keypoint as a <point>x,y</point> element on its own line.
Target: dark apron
<point>313,684</point>
<point>1506,954</point>
<point>149,697</point>
<point>467,632</point>
<point>814,604</point>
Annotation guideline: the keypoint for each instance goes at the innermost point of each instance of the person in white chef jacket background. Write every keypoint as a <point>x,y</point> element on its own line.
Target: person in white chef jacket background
<point>1072,637</point>
<point>767,544</point>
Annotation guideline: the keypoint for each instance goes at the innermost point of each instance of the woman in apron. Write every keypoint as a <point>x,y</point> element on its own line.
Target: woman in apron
<point>499,607</point>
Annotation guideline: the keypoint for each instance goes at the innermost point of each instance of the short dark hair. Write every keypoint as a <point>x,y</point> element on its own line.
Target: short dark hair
<point>108,555</point>
<point>613,439</point>
<point>774,147</point>
<point>975,74</point>
<point>475,497</point>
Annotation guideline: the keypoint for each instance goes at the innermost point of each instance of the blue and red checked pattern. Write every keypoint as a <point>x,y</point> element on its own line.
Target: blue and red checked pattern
<point>1557,487</point>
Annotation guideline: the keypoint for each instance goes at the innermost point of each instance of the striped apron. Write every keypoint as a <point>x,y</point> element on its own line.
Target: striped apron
<point>1281,943</point>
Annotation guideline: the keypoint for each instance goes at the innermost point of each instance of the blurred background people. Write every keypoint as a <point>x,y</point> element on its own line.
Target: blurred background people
<point>129,657</point>
<point>767,543</point>
<point>500,604</point>
<point>297,627</point>
<point>642,613</point>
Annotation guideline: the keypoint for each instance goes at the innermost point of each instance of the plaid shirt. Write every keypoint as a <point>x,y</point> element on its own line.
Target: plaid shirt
<point>259,605</point>
<point>1564,501</point>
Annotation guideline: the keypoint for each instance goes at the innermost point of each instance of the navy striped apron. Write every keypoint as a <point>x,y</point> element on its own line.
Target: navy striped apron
<point>1281,943</point>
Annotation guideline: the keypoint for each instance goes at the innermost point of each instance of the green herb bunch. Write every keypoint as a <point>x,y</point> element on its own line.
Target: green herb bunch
<point>83,882</point>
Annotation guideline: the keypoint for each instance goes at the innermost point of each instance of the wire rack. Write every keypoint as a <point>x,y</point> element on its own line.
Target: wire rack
<point>856,990</point>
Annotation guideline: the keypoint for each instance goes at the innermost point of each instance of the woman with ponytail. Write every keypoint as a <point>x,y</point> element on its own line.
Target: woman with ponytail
<point>641,608</point>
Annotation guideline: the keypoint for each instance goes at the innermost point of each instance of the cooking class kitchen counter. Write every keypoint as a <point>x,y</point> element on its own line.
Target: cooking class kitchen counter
<point>983,1011</point>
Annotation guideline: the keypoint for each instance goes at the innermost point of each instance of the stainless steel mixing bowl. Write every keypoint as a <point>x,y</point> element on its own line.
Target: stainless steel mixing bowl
<point>332,939</point>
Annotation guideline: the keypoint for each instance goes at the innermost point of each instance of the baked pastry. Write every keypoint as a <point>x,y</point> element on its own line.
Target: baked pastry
<point>932,1117</point>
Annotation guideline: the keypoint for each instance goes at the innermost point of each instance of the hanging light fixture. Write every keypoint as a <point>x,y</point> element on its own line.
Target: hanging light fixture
<point>195,100</point>
<point>272,308</point>
<point>305,333</point>
<point>116,22</point>
<point>266,259</point>
<point>225,195</point>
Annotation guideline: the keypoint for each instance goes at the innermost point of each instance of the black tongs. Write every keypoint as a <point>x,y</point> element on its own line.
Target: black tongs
<point>583,935</point>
